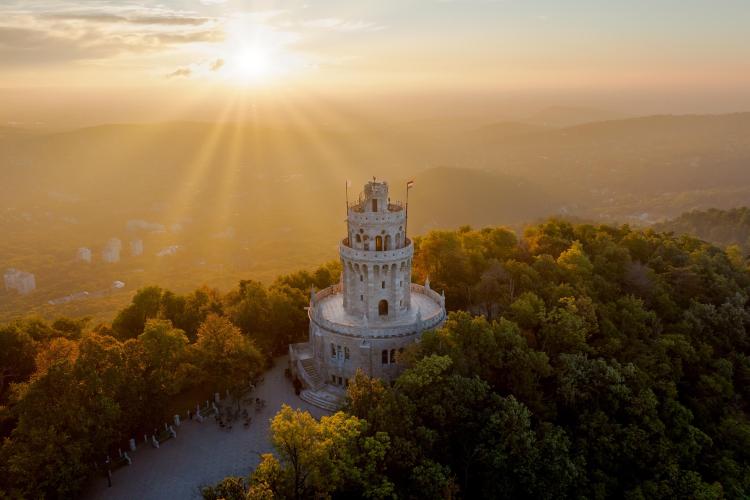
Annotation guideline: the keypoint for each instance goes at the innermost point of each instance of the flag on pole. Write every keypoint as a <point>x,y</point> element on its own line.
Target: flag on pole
<point>410,184</point>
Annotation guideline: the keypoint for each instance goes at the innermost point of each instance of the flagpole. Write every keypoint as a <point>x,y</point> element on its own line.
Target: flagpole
<point>346,219</point>
<point>406,213</point>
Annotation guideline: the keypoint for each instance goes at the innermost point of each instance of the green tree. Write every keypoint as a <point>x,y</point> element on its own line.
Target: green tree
<point>130,321</point>
<point>225,357</point>
<point>17,353</point>
<point>317,458</point>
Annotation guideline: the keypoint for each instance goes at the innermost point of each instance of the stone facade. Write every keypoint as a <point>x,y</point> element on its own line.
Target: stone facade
<point>375,311</point>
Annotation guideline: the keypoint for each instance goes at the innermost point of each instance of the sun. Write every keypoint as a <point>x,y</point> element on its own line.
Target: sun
<point>253,64</point>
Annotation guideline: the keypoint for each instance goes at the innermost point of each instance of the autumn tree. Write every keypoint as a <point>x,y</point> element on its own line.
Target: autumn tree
<point>225,357</point>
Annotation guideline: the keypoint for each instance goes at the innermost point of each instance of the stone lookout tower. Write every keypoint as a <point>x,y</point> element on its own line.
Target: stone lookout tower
<point>365,320</point>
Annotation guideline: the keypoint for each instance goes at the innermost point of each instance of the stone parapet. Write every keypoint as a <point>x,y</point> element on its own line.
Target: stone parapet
<point>350,253</point>
<point>365,218</point>
<point>375,330</point>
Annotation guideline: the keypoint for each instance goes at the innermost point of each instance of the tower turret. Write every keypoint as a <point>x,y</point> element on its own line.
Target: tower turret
<point>374,312</point>
<point>376,256</point>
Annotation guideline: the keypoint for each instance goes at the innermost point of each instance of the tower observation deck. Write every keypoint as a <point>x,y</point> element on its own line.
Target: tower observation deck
<point>375,311</point>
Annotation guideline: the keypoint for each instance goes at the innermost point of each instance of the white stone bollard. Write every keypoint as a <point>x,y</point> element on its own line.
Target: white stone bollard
<point>172,432</point>
<point>177,420</point>
<point>127,458</point>
<point>119,450</point>
<point>199,418</point>
<point>166,427</point>
<point>145,439</point>
<point>132,444</point>
<point>154,441</point>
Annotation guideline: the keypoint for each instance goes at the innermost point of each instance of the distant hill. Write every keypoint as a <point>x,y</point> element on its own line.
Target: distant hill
<point>504,130</point>
<point>566,116</point>
<point>255,200</point>
<point>721,227</point>
<point>628,163</point>
<point>446,197</point>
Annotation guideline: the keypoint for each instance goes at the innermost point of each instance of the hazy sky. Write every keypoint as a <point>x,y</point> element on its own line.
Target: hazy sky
<point>693,53</point>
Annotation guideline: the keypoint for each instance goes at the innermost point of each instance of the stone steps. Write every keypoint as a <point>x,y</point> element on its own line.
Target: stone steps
<point>312,373</point>
<point>322,399</point>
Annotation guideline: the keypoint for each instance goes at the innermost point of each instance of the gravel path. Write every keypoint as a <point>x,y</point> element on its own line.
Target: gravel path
<point>202,454</point>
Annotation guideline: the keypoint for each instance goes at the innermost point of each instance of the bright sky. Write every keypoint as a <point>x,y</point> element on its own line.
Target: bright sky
<point>178,47</point>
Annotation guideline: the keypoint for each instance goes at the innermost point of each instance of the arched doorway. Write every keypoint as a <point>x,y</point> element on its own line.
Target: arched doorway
<point>379,243</point>
<point>383,308</point>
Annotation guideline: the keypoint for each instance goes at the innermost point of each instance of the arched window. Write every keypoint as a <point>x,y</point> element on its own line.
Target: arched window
<point>378,243</point>
<point>333,350</point>
<point>383,308</point>
<point>346,352</point>
<point>384,357</point>
<point>393,355</point>
<point>359,239</point>
<point>388,242</point>
<point>374,205</point>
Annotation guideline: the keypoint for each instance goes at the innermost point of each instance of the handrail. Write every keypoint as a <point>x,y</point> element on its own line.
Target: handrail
<point>377,331</point>
<point>359,206</point>
<point>378,255</point>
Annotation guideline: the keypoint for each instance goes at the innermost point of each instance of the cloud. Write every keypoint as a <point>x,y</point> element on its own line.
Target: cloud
<point>180,73</point>
<point>337,24</point>
<point>213,2</point>
<point>103,17</point>
<point>29,37</point>
<point>216,65</point>
<point>169,39</point>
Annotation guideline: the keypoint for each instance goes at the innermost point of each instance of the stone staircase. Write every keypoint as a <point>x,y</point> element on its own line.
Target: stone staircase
<point>311,372</point>
<point>327,398</point>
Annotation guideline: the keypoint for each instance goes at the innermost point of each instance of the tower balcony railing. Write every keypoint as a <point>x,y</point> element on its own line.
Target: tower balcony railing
<point>375,330</point>
<point>390,217</point>
<point>348,252</point>
<point>359,206</point>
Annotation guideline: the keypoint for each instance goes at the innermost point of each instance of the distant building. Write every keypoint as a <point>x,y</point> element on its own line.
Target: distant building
<point>137,224</point>
<point>84,254</point>
<point>136,248</point>
<point>20,281</point>
<point>111,252</point>
<point>168,251</point>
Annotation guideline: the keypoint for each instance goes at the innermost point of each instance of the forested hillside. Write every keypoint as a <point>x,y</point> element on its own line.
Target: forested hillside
<point>71,392</point>
<point>609,363</point>
<point>720,227</point>
<point>580,361</point>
